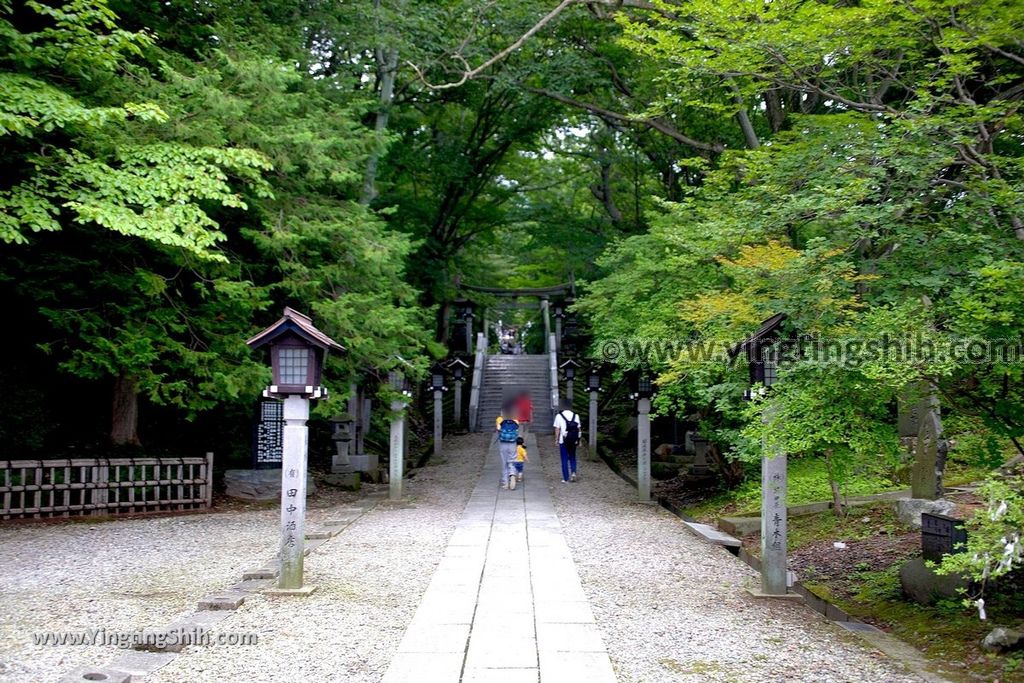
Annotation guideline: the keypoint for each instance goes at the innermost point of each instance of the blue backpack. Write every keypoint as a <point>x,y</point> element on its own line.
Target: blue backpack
<point>508,432</point>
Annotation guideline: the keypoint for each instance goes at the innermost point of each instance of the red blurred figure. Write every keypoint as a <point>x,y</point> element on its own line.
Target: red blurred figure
<point>524,411</point>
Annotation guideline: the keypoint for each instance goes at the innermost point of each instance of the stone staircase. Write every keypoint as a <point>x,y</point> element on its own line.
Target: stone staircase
<point>504,376</point>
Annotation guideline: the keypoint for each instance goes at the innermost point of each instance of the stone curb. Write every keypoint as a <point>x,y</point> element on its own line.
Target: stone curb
<point>891,646</point>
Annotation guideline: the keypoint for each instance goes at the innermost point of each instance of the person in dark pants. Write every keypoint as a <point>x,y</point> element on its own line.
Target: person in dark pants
<point>567,437</point>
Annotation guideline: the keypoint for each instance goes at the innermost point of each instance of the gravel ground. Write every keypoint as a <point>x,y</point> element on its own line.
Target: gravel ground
<point>369,583</point>
<point>670,607</point>
<point>129,574</point>
<point>673,608</point>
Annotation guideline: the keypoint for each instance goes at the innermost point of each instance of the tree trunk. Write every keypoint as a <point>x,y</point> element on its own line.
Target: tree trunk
<point>837,497</point>
<point>124,422</point>
<point>731,470</point>
<point>774,109</point>
<point>387,66</point>
<point>743,118</point>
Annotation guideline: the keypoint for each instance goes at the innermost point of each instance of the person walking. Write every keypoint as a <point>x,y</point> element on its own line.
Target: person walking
<point>567,437</point>
<point>507,428</point>
<point>518,463</point>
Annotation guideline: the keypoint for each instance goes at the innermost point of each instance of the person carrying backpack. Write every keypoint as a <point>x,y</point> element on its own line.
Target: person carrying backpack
<point>507,428</point>
<point>567,436</point>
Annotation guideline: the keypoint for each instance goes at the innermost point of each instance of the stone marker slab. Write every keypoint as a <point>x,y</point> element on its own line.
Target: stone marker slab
<point>318,534</point>
<point>185,629</point>
<point>222,601</point>
<point>259,574</point>
<point>339,522</point>
<point>251,585</point>
<point>138,664</point>
<point>91,674</point>
<point>925,476</point>
<point>713,535</point>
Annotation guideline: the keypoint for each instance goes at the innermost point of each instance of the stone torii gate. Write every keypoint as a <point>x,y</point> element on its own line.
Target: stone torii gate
<point>544,294</point>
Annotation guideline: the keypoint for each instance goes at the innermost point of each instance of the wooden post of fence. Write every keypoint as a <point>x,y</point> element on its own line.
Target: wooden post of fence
<point>101,479</point>
<point>209,480</point>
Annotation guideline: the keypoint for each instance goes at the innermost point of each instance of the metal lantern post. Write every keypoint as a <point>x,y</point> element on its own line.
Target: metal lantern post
<point>397,450</point>
<point>297,354</point>
<point>437,385</point>
<point>642,392</point>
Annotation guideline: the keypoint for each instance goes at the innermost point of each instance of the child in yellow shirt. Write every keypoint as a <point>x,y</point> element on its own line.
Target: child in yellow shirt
<point>517,463</point>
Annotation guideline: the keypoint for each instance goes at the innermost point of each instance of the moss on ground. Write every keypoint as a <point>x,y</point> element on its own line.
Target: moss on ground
<point>863,580</point>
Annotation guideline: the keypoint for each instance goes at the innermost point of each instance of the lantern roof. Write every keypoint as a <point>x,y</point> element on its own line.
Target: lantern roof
<point>571,363</point>
<point>300,325</point>
<point>767,332</point>
<point>457,361</point>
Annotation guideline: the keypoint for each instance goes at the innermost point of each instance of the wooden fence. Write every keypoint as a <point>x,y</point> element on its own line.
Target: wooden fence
<point>104,486</point>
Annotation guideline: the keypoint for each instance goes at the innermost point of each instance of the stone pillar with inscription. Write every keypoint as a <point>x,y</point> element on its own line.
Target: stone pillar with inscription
<point>774,570</point>
<point>546,316</point>
<point>592,431</point>
<point>773,524</point>
<point>438,420</point>
<point>643,449</point>
<point>397,450</point>
<point>568,390</point>
<point>457,417</point>
<point>293,494</point>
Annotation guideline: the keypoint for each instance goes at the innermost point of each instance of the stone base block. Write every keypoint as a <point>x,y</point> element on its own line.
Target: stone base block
<point>91,674</point>
<point>909,511</point>
<point>349,480</point>
<point>924,586</point>
<point>792,597</point>
<point>259,485</point>
<point>139,664</point>
<point>318,534</point>
<point>261,573</point>
<point>367,462</point>
<point>222,601</point>
<point>293,592</point>
<point>252,585</point>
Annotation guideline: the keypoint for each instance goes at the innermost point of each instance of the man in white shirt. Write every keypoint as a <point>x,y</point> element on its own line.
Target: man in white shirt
<point>567,437</point>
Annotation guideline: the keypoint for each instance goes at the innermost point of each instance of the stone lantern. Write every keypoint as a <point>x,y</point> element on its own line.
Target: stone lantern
<point>342,433</point>
<point>297,354</point>
<point>569,370</point>
<point>458,369</point>
<point>761,350</point>
<point>700,467</point>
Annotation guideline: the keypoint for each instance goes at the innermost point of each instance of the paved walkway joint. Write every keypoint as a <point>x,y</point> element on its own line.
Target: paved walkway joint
<point>505,603</point>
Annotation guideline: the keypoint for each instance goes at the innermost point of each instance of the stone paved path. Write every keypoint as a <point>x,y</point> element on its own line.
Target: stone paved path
<point>460,582</point>
<point>505,604</point>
